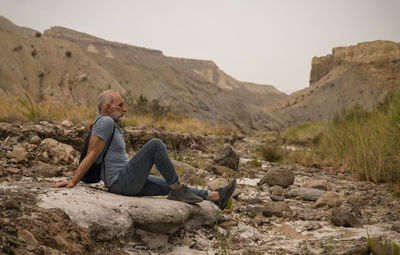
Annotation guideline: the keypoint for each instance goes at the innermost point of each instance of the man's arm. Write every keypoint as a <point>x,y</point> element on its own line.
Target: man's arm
<point>96,146</point>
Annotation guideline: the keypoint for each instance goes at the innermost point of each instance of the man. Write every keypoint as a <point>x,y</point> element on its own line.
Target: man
<point>131,177</point>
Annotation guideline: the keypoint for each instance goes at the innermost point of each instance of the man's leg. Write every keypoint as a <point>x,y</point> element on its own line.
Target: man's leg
<point>155,186</point>
<point>134,176</point>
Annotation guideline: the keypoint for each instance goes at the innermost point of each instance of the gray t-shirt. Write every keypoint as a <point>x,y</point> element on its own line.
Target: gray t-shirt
<point>116,157</point>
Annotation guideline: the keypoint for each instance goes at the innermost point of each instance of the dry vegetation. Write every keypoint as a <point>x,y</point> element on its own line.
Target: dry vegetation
<point>23,109</point>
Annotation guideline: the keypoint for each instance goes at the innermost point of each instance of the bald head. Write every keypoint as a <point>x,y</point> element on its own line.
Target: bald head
<point>105,97</point>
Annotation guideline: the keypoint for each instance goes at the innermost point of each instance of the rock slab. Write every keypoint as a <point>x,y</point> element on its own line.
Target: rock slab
<point>111,215</point>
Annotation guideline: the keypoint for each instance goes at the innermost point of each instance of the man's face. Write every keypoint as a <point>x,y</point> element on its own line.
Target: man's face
<point>117,108</point>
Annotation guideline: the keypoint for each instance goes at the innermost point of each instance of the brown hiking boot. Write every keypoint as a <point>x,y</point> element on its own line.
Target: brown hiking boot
<point>184,194</point>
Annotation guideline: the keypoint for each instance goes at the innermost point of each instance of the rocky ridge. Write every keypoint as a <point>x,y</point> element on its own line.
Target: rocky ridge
<point>362,75</point>
<point>277,209</point>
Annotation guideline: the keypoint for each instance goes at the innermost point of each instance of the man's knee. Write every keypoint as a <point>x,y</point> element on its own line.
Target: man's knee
<point>156,142</point>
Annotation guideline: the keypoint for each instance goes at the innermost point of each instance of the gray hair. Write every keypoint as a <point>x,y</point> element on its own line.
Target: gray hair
<point>105,97</point>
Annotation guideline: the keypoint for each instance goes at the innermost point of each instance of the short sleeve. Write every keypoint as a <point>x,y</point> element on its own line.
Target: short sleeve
<point>103,128</point>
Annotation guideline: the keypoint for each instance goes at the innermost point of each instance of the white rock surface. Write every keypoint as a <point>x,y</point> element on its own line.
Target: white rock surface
<point>118,215</point>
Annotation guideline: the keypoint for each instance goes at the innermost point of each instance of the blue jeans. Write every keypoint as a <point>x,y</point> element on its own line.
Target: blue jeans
<point>135,178</point>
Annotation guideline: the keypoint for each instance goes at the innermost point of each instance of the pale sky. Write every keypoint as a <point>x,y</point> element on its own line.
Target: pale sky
<point>265,42</point>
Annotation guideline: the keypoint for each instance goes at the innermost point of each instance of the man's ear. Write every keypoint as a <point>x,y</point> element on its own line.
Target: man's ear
<point>108,108</point>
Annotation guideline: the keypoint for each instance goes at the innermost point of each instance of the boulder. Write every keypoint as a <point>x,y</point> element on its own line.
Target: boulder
<point>280,177</point>
<point>107,215</point>
<point>330,199</point>
<point>343,217</point>
<point>56,152</point>
<point>227,157</point>
<point>318,184</point>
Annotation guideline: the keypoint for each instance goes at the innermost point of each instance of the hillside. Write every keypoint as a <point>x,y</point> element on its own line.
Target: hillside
<point>196,88</point>
<point>49,69</point>
<point>362,74</point>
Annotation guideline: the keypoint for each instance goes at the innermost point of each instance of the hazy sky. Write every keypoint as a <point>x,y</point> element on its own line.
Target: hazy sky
<point>265,42</point>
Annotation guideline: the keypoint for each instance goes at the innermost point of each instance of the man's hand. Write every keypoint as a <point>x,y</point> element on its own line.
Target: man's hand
<point>96,146</point>
<point>68,184</point>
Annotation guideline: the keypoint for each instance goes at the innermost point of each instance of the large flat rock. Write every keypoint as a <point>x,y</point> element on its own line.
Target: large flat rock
<point>111,215</point>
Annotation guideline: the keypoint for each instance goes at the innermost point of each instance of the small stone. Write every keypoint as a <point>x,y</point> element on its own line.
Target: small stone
<point>254,200</point>
<point>259,219</point>
<point>286,214</point>
<point>28,238</point>
<point>45,170</point>
<point>12,170</point>
<point>280,177</point>
<point>291,193</point>
<point>396,226</point>
<point>217,183</point>
<point>276,190</point>
<point>275,209</point>
<point>221,170</point>
<point>11,204</point>
<point>67,123</point>
<point>20,154</point>
<point>36,140</point>
<point>30,247</point>
<point>318,184</point>
<point>343,217</point>
<point>227,157</point>
<point>32,147</point>
<point>187,242</point>
<point>310,194</point>
<point>330,199</point>
<point>228,224</point>
<point>276,198</point>
<point>9,154</point>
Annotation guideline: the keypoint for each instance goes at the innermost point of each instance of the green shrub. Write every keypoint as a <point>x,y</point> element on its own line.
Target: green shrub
<point>367,142</point>
<point>304,134</point>
<point>271,153</point>
<point>255,162</point>
<point>30,111</point>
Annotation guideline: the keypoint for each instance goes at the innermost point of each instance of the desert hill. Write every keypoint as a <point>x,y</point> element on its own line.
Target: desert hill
<point>362,74</point>
<point>66,65</point>
<point>49,69</point>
